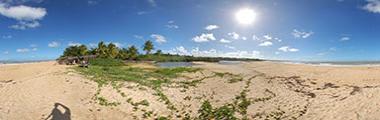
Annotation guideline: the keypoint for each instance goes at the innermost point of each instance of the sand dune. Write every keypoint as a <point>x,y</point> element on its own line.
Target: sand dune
<point>31,91</point>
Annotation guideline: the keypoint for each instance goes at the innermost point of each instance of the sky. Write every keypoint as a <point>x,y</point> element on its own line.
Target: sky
<point>307,30</point>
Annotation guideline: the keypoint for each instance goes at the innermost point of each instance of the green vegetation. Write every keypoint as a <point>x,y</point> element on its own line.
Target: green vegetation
<point>207,112</point>
<point>106,62</point>
<point>232,78</point>
<point>148,47</point>
<point>110,50</point>
<point>115,72</point>
<point>105,102</point>
<point>75,51</point>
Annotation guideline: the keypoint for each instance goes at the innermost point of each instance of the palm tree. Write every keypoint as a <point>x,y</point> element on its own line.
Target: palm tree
<point>82,49</point>
<point>148,47</point>
<point>112,50</point>
<point>101,51</point>
<point>75,51</point>
<point>132,52</point>
<point>123,54</point>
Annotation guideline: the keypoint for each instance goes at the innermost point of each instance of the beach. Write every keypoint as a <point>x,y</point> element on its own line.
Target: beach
<point>276,90</point>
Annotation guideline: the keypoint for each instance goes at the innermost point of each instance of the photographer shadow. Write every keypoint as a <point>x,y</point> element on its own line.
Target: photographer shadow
<point>58,114</point>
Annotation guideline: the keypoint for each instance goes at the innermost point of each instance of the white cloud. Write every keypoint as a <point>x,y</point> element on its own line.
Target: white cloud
<point>119,45</point>
<point>179,51</point>
<point>92,45</point>
<point>234,35</point>
<point>236,54</point>
<point>33,45</point>
<point>372,6</point>
<point>23,13</point>
<point>22,50</point>
<point>74,44</point>
<point>293,50</point>
<point>224,41</point>
<point>34,49</point>
<point>204,37</point>
<point>92,2</point>
<point>214,53</point>
<point>332,49</point>
<point>278,39</point>
<point>26,16</point>
<point>138,37</point>
<point>7,36</point>
<point>22,25</point>
<point>254,37</point>
<point>172,25</point>
<point>266,43</point>
<point>244,54</point>
<point>267,37</point>
<point>345,39</point>
<point>230,47</point>
<point>152,3</point>
<point>20,1</point>
<point>301,34</point>
<point>211,27</point>
<point>158,38</point>
<point>142,12</point>
<point>244,38</point>
<point>287,49</point>
<point>264,38</point>
<point>53,44</point>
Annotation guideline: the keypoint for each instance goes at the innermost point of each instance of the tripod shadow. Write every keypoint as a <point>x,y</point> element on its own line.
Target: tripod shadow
<point>57,114</point>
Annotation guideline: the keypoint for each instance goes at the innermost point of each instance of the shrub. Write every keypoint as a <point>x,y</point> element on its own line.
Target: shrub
<point>106,62</point>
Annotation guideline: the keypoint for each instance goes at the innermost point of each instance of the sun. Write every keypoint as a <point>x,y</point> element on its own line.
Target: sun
<point>245,16</point>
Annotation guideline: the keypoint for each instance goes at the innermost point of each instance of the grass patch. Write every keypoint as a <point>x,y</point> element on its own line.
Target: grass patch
<point>105,102</point>
<point>106,62</point>
<point>207,112</point>
<point>114,74</point>
<point>232,78</point>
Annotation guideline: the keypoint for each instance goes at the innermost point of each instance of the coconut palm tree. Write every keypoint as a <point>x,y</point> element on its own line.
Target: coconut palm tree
<point>132,52</point>
<point>112,50</point>
<point>101,51</point>
<point>148,47</point>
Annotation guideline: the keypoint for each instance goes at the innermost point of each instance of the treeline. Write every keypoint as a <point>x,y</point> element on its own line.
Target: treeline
<point>111,51</point>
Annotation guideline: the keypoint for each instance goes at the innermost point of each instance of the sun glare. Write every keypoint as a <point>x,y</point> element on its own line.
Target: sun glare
<point>245,16</point>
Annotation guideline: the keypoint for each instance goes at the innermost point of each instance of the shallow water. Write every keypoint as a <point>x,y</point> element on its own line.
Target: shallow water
<point>174,64</point>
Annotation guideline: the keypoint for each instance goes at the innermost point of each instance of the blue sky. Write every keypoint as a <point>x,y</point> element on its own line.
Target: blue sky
<point>282,29</point>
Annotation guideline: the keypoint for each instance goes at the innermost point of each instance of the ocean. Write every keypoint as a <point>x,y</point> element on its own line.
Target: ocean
<point>21,61</point>
<point>335,63</point>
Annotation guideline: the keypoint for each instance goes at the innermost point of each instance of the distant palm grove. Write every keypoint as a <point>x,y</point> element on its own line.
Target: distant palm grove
<point>111,51</point>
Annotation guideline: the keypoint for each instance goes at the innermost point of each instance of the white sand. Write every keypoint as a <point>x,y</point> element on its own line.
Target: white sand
<point>29,91</point>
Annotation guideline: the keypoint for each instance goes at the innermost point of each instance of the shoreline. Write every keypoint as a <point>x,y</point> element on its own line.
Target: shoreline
<point>331,64</point>
<point>23,63</point>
